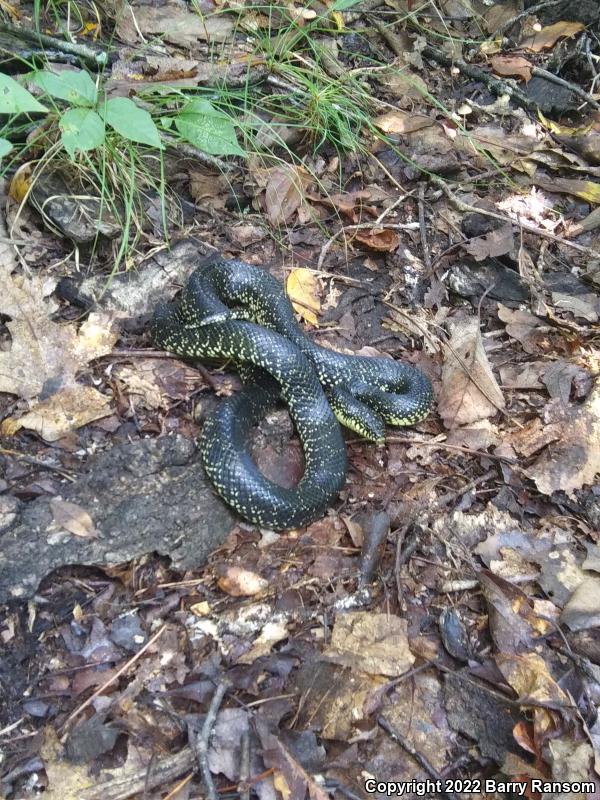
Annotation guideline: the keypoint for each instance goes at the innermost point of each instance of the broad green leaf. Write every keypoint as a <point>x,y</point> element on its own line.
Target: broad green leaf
<point>82,129</point>
<point>208,129</point>
<point>131,121</point>
<point>5,147</point>
<point>77,88</point>
<point>14,99</point>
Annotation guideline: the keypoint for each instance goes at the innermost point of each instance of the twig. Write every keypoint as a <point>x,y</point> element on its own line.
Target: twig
<point>203,740</point>
<point>496,85</point>
<point>419,757</point>
<point>466,208</point>
<point>82,51</point>
<point>243,783</point>
<point>423,229</point>
<point>112,680</point>
<point>444,446</point>
<point>36,462</point>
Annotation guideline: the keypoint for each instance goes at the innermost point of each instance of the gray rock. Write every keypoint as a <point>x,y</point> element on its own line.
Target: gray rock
<point>148,496</point>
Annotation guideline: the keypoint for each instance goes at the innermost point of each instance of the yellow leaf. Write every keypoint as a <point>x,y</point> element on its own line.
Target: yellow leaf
<point>302,287</point>
<point>338,19</point>
<point>20,183</point>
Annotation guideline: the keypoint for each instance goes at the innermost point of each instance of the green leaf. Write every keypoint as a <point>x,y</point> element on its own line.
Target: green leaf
<point>77,88</point>
<point>14,99</point>
<point>342,5</point>
<point>131,121</point>
<point>5,147</point>
<point>82,129</point>
<point>208,129</point>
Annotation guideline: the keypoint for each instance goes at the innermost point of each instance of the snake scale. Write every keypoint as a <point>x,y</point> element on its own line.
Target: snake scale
<point>234,311</point>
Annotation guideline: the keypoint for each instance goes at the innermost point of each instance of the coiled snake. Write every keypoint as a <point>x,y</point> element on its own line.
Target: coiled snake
<point>234,311</point>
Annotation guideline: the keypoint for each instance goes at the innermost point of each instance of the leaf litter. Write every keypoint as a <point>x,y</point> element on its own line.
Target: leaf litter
<point>473,648</point>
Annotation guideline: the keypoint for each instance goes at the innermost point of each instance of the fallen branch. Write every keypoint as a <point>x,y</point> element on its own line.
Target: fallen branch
<point>94,58</point>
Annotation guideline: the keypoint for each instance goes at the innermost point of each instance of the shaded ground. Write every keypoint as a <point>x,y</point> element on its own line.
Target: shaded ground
<point>442,622</point>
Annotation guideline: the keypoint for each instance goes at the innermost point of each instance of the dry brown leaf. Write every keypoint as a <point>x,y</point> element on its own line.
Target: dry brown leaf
<point>512,65</point>
<point>499,14</point>
<point>239,582</point>
<point>582,610</point>
<point>525,327</point>
<point>65,411</point>
<point>549,35</point>
<point>73,518</point>
<point>174,23</point>
<point>372,643</point>
<point>574,460</point>
<point>402,122</point>
<point>270,635</point>
<point>303,289</point>
<point>469,390</point>
<point>492,245</point>
<point>45,357</point>
<point>381,239</point>
<point>45,354</point>
<point>350,204</point>
<point>284,192</point>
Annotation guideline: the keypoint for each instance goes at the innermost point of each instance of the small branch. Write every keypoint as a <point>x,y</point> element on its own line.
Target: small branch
<point>203,741</point>
<point>82,51</point>
<point>423,229</point>
<point>465,208</point>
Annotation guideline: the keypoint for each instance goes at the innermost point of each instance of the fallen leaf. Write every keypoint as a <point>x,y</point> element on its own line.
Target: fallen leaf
<point>584,190</point>
<point>529,677</point>
<point>383,240</point>
<point>469,390</point>
<point>526,328</point>
<point>514,625</point>
<point>45,356</point>
<point>582,610</point>
<point>574,460</point>
<point>65,411</point>
<point>402,122</point>
<point>550,34</point>
<point>302,287</point>
<point>271,634</point>
<point>580,305</point>
<point>73,518</point>
<point>373,643</point>
<point>284,192</point>
<point>174,23</point>
<point>512,65</point>
<point>492,245</point>
<point>239,582</point>
<point>350,204</point>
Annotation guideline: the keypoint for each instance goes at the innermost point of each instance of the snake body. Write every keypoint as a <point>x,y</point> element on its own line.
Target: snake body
<point>235,311</point>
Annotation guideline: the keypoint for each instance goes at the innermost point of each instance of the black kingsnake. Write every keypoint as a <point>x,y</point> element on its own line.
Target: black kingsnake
<point>211,320</point>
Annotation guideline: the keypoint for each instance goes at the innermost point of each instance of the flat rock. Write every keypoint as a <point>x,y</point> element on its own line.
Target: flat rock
<point>142,497</point>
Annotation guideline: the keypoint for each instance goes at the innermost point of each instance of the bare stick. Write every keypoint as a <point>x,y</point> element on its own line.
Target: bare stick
<point>203,740</point>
